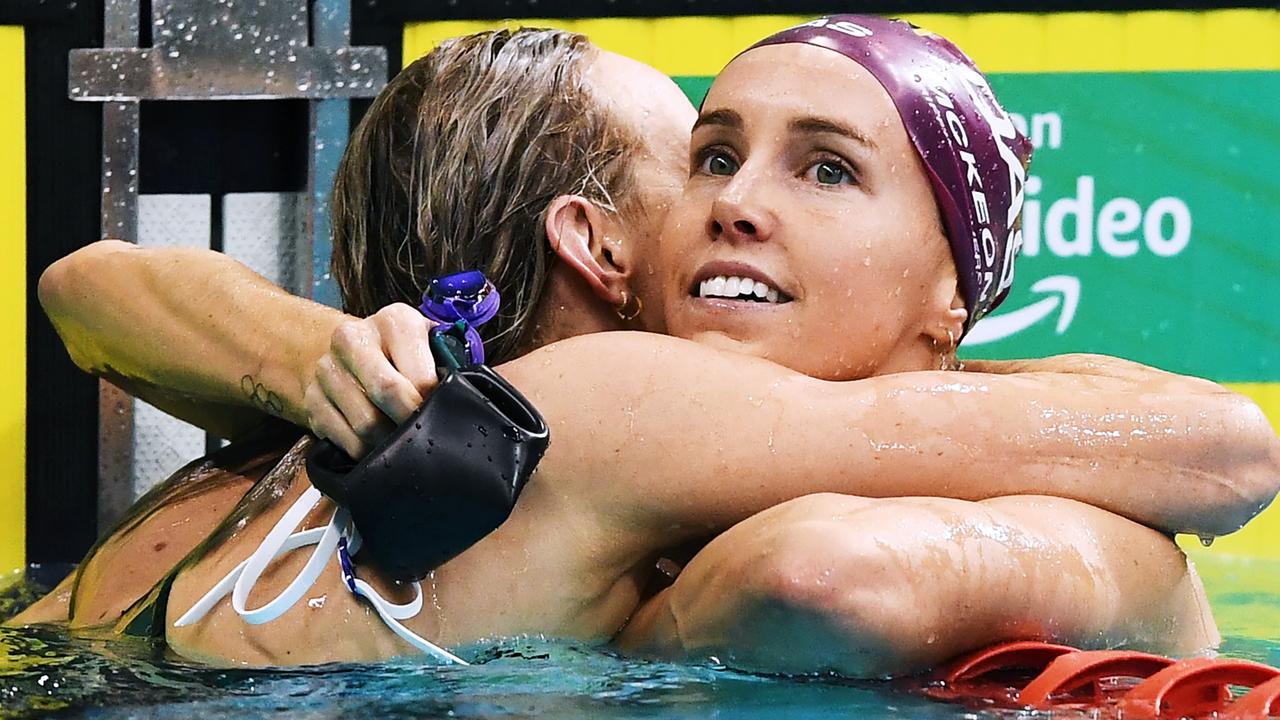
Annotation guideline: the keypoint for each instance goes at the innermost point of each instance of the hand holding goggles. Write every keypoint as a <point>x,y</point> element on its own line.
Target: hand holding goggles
<point>450,474</point>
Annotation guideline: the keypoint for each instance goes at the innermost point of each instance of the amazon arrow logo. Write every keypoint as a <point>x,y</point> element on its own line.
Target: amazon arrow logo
<point>1063,290</point>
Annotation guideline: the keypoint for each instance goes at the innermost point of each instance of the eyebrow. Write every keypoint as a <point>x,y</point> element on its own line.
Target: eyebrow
<point>817,125</point>
<point>725,118</point>
<point>809,124</point>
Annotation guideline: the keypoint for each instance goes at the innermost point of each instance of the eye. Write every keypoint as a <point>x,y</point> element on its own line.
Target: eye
<point>719,163</point>
<point>830,172</point>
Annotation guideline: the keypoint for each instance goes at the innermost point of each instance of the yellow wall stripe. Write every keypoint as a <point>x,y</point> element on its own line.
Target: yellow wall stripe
<point>999,42</point>
<point>13,298</point>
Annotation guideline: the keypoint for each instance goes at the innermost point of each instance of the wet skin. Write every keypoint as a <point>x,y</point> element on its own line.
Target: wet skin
<point>825,201</point>
<point>574,558</point>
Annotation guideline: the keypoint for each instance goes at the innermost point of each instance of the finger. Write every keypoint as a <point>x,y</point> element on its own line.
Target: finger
<point>346,394</point>
<point>327,423</point>
<point>359,350</point>
<point>406,337</point>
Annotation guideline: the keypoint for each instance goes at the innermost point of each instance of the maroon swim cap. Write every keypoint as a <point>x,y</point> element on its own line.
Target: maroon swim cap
<point>975,157</point>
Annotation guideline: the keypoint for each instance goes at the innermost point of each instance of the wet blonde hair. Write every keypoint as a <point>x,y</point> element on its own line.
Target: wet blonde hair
<point>453,167</point>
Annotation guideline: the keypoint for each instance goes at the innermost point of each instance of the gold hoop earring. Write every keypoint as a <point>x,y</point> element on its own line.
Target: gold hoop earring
<point>946,355</point>
<point>621,310</point>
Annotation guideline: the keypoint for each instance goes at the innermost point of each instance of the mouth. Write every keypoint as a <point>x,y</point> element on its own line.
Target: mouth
<point>739,284</point>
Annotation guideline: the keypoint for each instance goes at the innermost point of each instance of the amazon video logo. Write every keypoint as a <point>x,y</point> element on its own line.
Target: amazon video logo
<point>1069,221</point>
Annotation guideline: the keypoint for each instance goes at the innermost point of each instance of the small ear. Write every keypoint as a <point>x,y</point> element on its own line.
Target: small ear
<point>946,328</point>
<point>577,230</point>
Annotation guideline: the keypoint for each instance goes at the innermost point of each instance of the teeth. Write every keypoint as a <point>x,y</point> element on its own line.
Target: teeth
<point>737,287</point>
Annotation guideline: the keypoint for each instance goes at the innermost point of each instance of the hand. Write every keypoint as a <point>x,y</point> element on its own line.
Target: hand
<point>376,374</point>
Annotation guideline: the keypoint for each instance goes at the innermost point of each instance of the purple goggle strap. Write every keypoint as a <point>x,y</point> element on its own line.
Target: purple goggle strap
<point>473,311</point>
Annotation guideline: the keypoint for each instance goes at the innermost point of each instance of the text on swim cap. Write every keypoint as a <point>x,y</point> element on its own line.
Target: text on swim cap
<point>985,249</point>
<point>1006,134</point>
<point>851,29</point>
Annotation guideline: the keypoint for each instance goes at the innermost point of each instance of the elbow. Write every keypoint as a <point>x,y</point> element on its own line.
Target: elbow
<point>68,281</point>
<point>1246,466</point>
<point>66,290</point>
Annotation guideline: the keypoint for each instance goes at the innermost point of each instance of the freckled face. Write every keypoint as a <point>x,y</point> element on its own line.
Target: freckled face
<point>807,233</point>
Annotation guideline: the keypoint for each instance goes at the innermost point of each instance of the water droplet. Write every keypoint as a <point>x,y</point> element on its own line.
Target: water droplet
<point>1206,540</point>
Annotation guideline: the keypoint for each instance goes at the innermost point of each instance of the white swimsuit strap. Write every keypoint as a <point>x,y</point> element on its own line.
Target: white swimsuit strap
<point>281,540</point>
<point>387,612</point>
<point>271,546</point>
<point>224,586</point>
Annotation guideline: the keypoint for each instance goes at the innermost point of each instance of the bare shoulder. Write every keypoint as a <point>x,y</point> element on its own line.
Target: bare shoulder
<point>631,366</point>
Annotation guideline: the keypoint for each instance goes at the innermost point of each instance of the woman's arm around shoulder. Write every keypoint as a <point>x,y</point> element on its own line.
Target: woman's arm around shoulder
<point>674,436</point>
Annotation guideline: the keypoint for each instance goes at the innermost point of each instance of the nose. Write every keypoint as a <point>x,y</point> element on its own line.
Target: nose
<point>739,213</point>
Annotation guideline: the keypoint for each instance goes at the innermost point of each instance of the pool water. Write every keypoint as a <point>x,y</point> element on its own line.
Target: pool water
<point>47,673</point>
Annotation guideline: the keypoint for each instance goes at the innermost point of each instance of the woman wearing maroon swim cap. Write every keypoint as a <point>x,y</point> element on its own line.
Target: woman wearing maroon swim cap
<point>880,198</point>
<point>879,201</point>
<point>816,214</point>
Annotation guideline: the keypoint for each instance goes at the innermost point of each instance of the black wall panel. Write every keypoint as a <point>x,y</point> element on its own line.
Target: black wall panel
<point>63,166</point>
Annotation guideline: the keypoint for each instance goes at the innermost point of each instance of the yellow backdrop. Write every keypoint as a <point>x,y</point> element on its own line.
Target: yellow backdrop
<point>13,294</point>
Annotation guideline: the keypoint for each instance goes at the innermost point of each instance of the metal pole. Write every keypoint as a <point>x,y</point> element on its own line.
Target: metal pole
<point>330,120</point>
<point>120,124</point>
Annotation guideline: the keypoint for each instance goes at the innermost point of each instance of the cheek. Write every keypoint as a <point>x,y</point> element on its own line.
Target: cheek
<point>871,274</point>
<point>661,198</point>
<point>687,215</point>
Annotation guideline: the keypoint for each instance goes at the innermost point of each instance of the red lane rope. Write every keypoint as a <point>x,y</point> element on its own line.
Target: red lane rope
<point>1262,701</point>
<point>1060,682</point>
<point>1046,676</point>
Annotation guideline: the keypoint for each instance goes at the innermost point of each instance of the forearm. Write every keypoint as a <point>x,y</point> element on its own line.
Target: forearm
<point>693,441</point>
<point>835,583</point>
<point>193,326</point>
<point>1104,366</point>
<point>1177,454</point>
<point>1229,435</point>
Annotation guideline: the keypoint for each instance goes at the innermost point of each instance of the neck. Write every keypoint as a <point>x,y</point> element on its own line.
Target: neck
<point>569,308</point>
<point>920,354</point>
